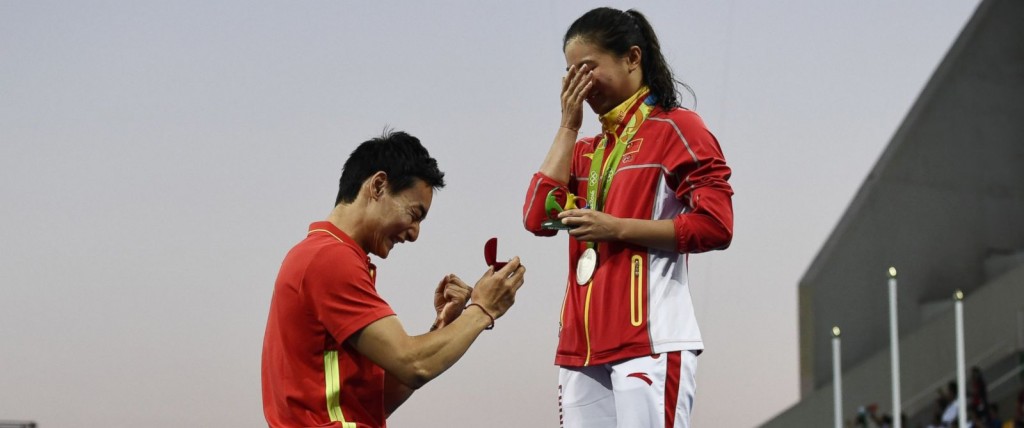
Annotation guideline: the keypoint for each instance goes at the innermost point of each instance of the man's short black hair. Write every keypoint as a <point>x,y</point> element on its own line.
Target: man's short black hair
<point>399,155</point>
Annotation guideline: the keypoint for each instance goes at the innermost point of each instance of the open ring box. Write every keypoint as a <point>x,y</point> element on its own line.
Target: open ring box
<point>491,254</point>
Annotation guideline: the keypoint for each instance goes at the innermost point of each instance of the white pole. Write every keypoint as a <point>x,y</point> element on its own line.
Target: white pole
<point>837,379</point>
<point>961,385</point>
<point>894,346</point>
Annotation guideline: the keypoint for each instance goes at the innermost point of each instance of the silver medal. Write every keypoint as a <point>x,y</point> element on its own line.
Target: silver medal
<point>585,266</point>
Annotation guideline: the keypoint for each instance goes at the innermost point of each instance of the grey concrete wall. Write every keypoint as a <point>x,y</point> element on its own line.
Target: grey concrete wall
<point>928,360</point>
<point>946,195</point>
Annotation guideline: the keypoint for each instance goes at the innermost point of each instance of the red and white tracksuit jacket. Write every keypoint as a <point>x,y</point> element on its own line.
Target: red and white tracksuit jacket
<point>638,302</point>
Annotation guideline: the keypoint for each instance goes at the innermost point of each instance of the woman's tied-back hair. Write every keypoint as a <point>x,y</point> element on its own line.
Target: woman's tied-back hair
<point>399,155</point>
<point>616,32</point>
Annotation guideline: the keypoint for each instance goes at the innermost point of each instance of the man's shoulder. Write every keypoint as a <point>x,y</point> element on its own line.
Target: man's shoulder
<point>320,253</point>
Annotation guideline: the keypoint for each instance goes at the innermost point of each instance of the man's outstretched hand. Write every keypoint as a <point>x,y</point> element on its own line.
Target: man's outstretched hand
<point>450,299</point>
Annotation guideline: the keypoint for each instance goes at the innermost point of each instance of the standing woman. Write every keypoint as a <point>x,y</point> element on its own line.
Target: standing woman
<point>655,189</point>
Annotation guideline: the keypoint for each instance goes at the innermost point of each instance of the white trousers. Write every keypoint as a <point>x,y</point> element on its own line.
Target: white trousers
<point>651,391</point>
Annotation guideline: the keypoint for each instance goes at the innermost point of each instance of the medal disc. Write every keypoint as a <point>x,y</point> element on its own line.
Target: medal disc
<point>585,266</point>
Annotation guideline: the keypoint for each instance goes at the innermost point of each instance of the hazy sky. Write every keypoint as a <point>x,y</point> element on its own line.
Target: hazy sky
<point>157,160</point>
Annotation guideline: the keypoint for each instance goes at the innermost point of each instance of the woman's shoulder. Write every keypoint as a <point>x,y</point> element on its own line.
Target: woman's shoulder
<point>677,114</point>
<point>587,142</point>
<point>682,119</point>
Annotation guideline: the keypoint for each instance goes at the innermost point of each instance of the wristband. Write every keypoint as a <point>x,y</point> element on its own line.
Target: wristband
<point>485,313</point>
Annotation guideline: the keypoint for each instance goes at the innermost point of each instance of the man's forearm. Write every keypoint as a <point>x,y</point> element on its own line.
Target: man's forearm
<point>415,360</point>
<point>433,353</point>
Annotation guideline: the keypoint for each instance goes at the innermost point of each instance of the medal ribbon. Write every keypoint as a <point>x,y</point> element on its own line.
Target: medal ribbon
<point>602,171</point>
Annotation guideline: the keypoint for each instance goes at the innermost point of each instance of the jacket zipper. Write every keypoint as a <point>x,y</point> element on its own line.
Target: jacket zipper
<point>636,292</point>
